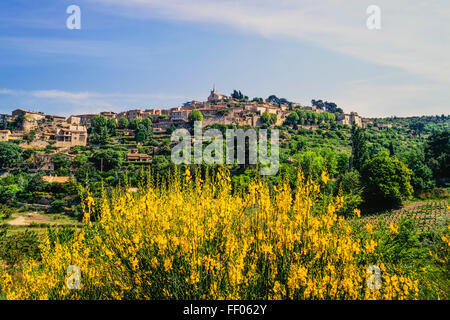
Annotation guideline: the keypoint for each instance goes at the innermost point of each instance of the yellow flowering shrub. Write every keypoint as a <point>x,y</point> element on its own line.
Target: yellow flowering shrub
<point>194,239</point>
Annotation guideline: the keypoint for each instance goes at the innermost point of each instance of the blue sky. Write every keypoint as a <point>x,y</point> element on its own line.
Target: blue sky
<point>161,53</point>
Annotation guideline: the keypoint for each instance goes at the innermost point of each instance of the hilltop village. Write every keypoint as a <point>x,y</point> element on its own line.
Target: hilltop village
<point>37,130</point>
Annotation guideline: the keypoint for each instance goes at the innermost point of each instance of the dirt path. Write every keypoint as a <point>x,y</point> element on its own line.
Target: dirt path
<point>26,220</point>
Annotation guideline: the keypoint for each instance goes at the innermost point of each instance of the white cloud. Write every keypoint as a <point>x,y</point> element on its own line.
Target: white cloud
<point>7,92</point>
<point>66,102</point>
<point>414,36</point>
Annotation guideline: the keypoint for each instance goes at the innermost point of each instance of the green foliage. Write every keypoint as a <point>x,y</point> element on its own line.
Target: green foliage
<point>36,183</point>
<point>133,125</point>
<point>238,95</point>
<point>61,161</point>
<point>160,164</point>
<point>107,159</point>
<point>387,182</point>
<point>422,175</point>
<point>8,193</point>
<point>142,133</point>
<point>100,131</point>
<point>5,211</point>
<point>57,206</point>
<point>292,118</point>
<point>148,124</point>
<point>80,160</point>
<point>10,155</point>
<point>359,148</point>
<point>195,115</point>
<point>123,123</point>
<point>112,126</point>
<point>17,247</point>
<point>437,150</point>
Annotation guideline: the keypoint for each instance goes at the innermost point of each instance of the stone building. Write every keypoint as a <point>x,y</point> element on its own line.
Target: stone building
<point>66,138</point>
<point>109,114</point>
<point>182,115</point>
<point>350,119</point>
<point>86,119</point>
<point>134,114</point>
<point>30,118</point>
<point>216,96</point>
<point>4,135</point>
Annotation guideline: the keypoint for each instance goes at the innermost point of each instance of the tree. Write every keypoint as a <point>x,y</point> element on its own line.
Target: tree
<point>112,126</point>
<point>318,104</point>
<point>195,115</point>
<point>57,206</point>
<point>123,123</point>
<point>10,155</point>
<point>148,124</point>
<point>350,184</point>
<point>99,122</point>
<point>422,175</point>
<point>437,153</point>
<point>60,161</point>
<point>80,160</point>
<point>100,132</point>
<point>36,183</point>
<point>160,164</point>
<point>275,100</point>
<point>141,133</point>
<point>417,127</point>
<point>238,95</point>
<point>134,124</point>
<point>342,163</point>
<point>265,118</point>
<point>387,182</point>
<point>107,159</point>
<point>359,147</point>
<point>5,211</point>
<point>292,118</point>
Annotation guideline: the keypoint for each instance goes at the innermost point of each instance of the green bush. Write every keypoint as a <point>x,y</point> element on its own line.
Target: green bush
<point>386,181</point>
<point>17,247</point>
<point>57,206</point>
<point>5,212</point>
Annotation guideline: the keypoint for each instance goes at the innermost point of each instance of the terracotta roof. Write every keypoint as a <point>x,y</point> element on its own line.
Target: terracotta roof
<point>138,155</point>
<point>76,131</point>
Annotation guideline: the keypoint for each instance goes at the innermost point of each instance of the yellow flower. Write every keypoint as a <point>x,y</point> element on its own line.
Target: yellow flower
<point>357,213</point>
<point>369,227</point>
<point>325,177</point>
<point>393,227</point>
<point>167,264</point>
<point>370,246</point>
<point>187,174</point>
<point>90,201</point>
